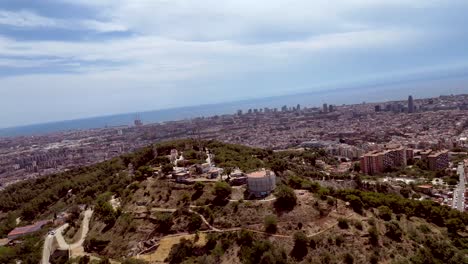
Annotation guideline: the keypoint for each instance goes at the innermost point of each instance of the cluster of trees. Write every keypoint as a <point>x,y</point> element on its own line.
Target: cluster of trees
<point>32,198</point>
<point>429,210</point>
<point>104,209</point>
<point>253,251</point>
<point>29,251</point>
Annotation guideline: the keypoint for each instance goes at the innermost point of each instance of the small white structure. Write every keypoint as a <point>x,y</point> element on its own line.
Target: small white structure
<point>261,183</point>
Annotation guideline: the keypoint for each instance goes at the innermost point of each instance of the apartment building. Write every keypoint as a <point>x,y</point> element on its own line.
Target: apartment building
<point>438,160</point>
<point>378,161</point>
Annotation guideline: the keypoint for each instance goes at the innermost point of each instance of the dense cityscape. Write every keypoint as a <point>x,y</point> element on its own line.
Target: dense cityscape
<point>374,133</point>
<point>347,131</point>
<point>416,148</point>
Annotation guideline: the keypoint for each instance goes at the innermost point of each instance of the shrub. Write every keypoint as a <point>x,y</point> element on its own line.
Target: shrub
<point>300,246</point>
<point>373,236</point>
<point>270,223</point>
<point>343,223</point>
<point>164,221</point>
<point>195,222</point>
<point>393,230</point>
<point>245,237</point>
<point>181,251</point>
<point>357,224</point>
<point>348,258</point>
<point>385,213</point>
<point>339,240</point>
<point>285,198</point>
<point>355,203</point>
<point>198,186</point>
<point>222,190</point>
<point>424,229</point>
<point>374,259</point>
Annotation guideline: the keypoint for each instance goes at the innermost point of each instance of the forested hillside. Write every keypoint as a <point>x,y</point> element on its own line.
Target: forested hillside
<point>303,221</point>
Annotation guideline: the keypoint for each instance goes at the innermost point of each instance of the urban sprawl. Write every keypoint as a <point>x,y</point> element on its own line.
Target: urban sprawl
<point>381,140</point>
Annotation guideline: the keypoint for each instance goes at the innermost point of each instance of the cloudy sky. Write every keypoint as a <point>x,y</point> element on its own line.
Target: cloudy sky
<point>66,59</point>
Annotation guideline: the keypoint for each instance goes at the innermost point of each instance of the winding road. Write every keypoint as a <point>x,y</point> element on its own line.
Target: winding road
<point>61,244</point>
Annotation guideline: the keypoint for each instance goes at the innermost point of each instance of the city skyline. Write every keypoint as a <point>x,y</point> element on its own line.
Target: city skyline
<point>63,60</point>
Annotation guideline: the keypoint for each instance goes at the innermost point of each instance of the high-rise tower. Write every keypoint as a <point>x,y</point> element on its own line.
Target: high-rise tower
<point>410,104</point>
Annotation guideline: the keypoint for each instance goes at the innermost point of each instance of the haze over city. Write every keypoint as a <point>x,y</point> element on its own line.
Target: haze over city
<point>69,59</point>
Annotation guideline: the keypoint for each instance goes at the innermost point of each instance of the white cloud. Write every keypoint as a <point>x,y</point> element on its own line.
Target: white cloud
<point>176,43</point>
<point>25,19</point>
<point>28,19</point>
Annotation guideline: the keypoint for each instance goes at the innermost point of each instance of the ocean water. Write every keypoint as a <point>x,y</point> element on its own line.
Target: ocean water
<point>349,95</point>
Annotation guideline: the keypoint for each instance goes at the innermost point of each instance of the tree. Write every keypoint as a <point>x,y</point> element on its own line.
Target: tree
<point>357,167</point>
<point>222,190</point>
<point>310,158</point>
<point>270,223</point>
<point>393,230</point>
<point>300,246</point>
<point>195,222</point>
<point>454,225</point>
<point>373,236</point>
<point>167,168</point>
<point>343,223</point>
<point>355,203</point>
<point>279,166</point>
<point>405,192</point>
<point>385,213</point>
<point>285,198</point>
<point>245,237</point>
<point>180,251</point>
<point>165,222</point>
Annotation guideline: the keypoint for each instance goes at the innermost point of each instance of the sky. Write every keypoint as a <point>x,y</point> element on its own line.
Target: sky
<point>67,59</point>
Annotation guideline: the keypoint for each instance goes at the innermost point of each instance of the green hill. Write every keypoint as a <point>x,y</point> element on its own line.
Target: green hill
<point>212,222</point>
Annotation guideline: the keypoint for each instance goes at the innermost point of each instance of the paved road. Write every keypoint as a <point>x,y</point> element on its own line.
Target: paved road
<point>48,250</point>
<point>459,192</point>
<point>62,244</point>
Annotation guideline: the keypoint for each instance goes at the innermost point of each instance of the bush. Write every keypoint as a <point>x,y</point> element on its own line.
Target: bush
<point>181,251</point>
<point>195,222</point>
<point>222,190</point>
<point>373,236</point>
<point>355,203</point>
<point>164,221</point>
<point>339,240</point>
<point>348,258</point>
<point>167,168</point>
<point>270,223</point>
<point>285,198</point>
<point>357,224</point>
<point>300,246</point>
<point>374,259</point>
<point>393,230</point>
<point>245,237</point>
<point>424,229</point>
<point>343,223</point>
<point>385,213</point>
<point>198,186</point>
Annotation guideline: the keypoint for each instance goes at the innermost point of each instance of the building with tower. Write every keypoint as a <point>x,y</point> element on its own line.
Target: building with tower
<point>137,122</point>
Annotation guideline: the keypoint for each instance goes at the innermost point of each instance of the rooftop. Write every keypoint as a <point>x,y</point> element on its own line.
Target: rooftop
<point>258,174</point>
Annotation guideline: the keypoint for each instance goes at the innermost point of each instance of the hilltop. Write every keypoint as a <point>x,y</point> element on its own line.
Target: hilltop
<point>147,209</point>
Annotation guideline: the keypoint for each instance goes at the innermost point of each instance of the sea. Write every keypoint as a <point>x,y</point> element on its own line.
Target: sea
<point>336,96</point>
